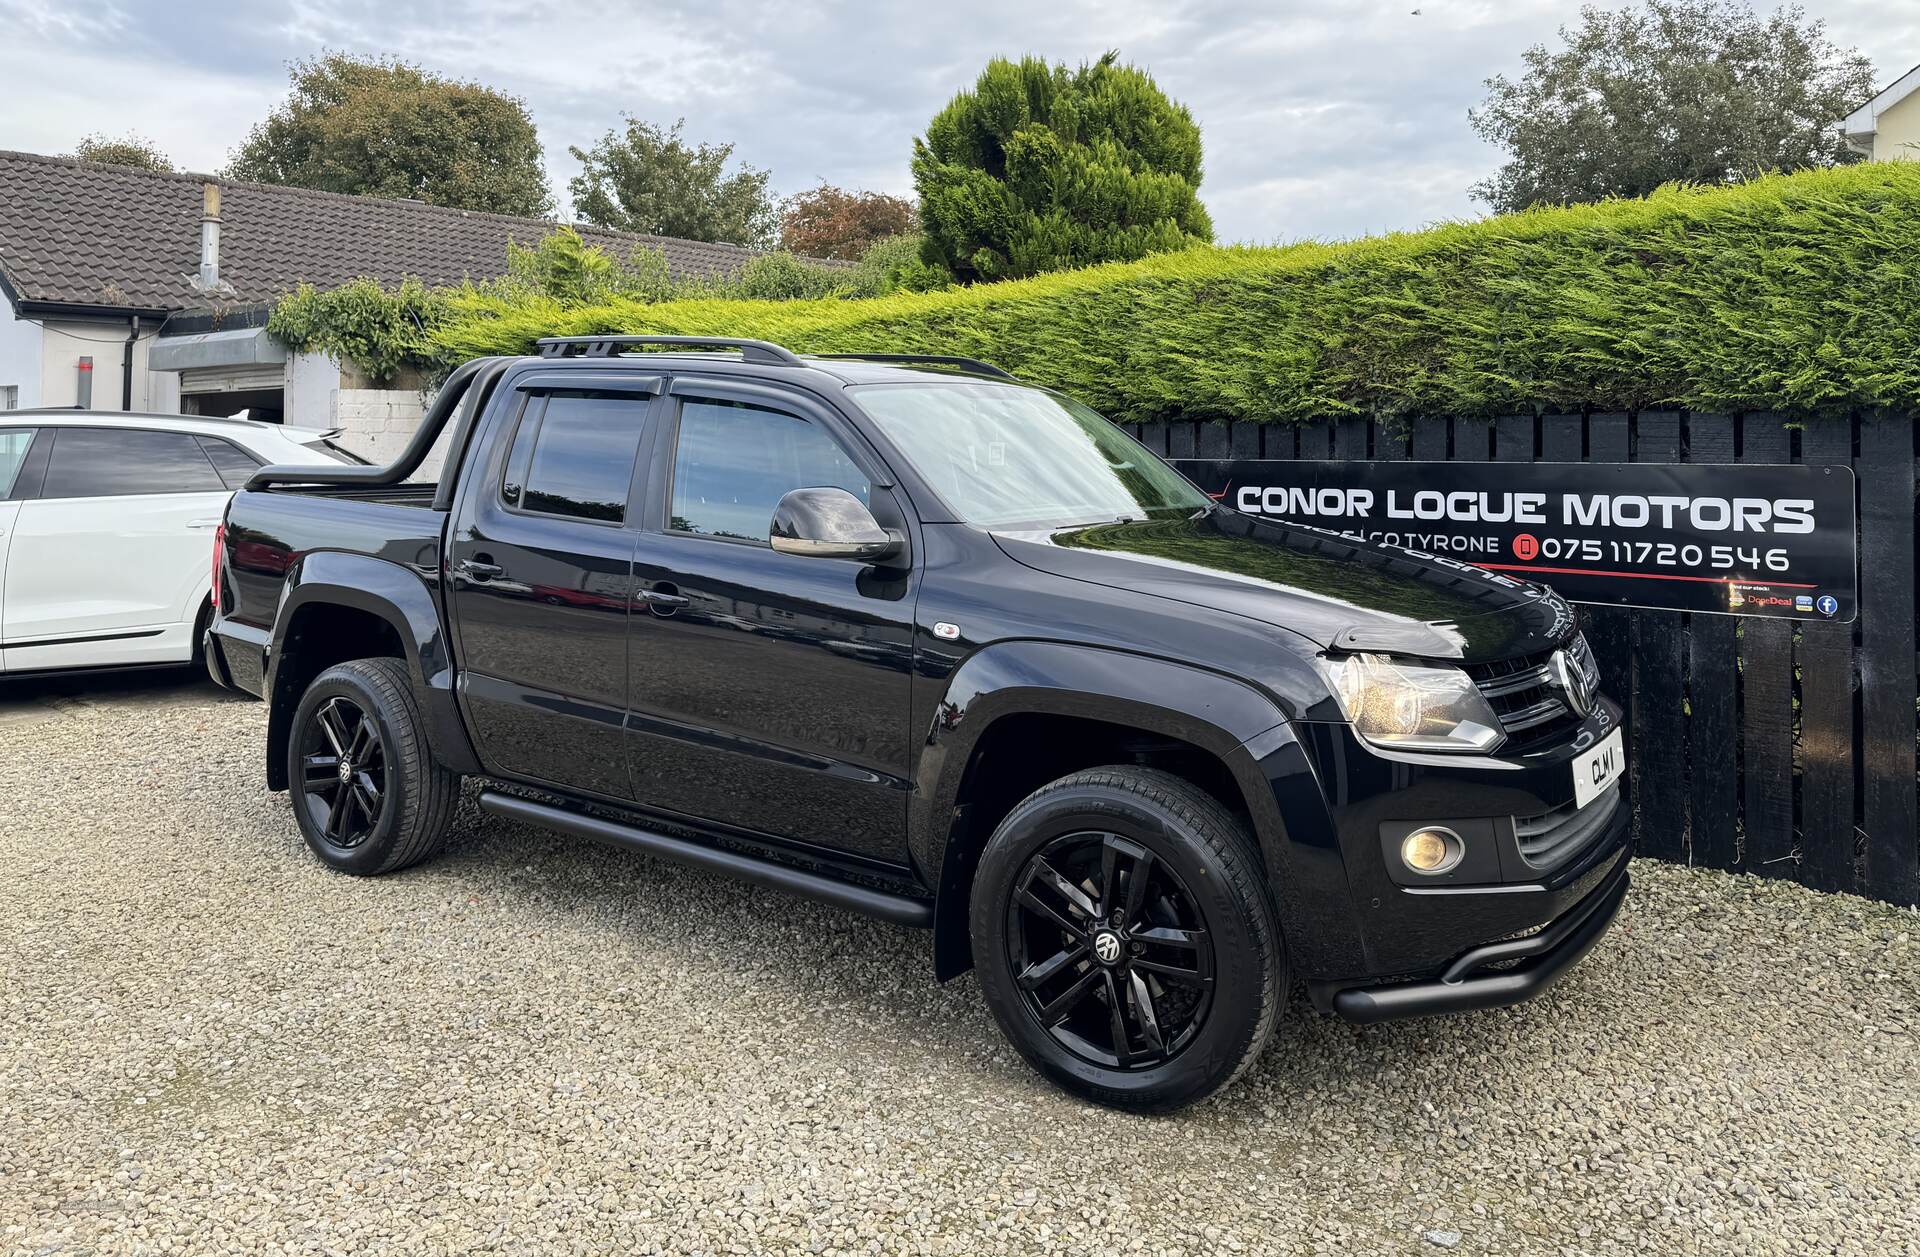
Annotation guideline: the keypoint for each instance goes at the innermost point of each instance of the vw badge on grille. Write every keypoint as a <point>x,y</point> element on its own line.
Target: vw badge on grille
<point>1574,681</point>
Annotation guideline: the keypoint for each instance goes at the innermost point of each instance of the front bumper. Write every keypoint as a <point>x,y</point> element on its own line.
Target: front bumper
<point>1470,983</point>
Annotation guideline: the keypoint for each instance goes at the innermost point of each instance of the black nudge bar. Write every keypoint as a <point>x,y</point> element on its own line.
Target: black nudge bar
<point>1537,962</point>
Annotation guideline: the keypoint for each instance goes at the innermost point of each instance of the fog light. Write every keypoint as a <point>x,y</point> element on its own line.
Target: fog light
<point>1432,851</point>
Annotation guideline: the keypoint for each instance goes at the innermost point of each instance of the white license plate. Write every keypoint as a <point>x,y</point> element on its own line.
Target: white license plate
<point>1595,770</point>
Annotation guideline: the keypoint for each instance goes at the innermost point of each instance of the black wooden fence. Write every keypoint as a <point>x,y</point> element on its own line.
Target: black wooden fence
<point>1782,748</point>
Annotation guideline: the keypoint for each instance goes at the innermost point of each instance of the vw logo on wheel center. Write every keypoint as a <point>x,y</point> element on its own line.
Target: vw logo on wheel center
<point>1106,946</point>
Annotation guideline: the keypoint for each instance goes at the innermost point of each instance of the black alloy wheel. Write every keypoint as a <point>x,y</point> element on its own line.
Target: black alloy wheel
<point>343,772</point>
<point>368,794</point>
<point>1126,939</point>
<point>1110,951</point>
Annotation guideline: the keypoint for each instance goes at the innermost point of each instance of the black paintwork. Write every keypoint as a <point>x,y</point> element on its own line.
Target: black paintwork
<point>806,711</point>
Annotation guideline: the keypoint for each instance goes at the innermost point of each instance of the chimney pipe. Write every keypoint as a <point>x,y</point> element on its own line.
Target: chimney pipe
<point>209,237</point>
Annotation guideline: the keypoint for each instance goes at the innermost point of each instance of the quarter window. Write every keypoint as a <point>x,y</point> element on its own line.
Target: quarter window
<point>106,462</point>
<point>574,455</point>
<point>733,463</point>
<point>234,464</point>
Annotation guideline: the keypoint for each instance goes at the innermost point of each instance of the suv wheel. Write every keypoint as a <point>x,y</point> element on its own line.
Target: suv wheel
<point>367,793</point>
<point>1125,940</point>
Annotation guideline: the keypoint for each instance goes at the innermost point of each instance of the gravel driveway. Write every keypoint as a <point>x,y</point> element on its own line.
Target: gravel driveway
<point>209,1044</point>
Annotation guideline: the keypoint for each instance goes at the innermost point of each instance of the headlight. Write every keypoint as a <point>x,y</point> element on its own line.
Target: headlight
<point>1412,706</point>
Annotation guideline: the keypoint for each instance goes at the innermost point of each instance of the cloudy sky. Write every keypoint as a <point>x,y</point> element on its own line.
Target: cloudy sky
<point>1322,118</point>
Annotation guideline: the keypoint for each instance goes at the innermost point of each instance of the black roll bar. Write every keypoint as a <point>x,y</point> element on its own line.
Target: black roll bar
<point>459,388</point>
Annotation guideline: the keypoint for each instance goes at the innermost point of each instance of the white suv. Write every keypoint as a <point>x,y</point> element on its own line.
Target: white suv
<point>107,523</point>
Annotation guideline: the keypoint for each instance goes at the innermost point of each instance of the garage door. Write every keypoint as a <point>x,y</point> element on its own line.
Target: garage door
<point>251,377</point>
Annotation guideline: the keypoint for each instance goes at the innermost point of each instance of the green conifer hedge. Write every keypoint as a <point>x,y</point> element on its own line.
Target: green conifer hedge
<point>1798,293</point>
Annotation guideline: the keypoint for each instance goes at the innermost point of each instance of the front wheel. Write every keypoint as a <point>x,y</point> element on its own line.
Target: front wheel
<point>367,793</point>
<point>1125,939</point>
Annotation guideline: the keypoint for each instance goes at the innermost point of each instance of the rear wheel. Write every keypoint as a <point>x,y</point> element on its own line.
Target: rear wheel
<point>367,793</point>
<point>1125,939</point>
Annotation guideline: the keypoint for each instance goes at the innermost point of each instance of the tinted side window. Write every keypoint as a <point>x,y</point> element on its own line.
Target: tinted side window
<point>576,456</point>
<point>98,462</point>
<point>733,463</point>
<point>234,464</point>
<point>13,452</point>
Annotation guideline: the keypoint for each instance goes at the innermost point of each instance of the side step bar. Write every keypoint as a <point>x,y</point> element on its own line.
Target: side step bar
<point>899,909</point>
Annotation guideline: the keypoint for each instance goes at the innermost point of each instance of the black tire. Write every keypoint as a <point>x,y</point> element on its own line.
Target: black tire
<point>398,800</point>
<point>1192,1014</point>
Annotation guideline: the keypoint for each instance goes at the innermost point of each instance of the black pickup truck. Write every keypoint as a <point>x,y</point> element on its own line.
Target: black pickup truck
<point>911,637</point>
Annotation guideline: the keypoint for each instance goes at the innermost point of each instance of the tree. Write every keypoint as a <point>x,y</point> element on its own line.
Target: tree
<point>897,264</point>
<point>383,127</point>
<point>130,149</point>
<point>830,222</point>
<point>1695,91</point>
<point>1040,167</point>
<point>649,180</point>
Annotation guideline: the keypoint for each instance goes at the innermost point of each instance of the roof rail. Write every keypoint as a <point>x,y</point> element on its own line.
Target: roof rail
<point>972,364</point>
<point>607,346</point>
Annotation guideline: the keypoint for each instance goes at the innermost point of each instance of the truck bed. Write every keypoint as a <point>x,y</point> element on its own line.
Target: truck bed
<point>416,494</point>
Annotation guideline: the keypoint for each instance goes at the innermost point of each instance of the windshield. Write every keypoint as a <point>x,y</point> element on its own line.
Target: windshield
<point>1004,456</point>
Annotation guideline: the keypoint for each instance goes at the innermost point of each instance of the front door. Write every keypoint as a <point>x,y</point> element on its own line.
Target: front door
<point>108,561</point>
<point>770,691</point>
<point>540,565</point>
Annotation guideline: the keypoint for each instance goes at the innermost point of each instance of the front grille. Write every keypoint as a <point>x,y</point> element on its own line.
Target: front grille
<point>1523,694</point>
<point>1553,838</point>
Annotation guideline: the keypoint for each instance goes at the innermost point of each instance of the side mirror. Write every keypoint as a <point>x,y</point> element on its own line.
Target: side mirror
<point>829,523</point>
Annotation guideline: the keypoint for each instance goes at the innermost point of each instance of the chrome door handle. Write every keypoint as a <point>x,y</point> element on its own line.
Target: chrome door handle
<point>480,569</point>
<point>654,597</point>
<point>203,523</point>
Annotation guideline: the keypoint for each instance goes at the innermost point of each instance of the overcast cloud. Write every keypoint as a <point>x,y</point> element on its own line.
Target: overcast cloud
<point>1321,119</point>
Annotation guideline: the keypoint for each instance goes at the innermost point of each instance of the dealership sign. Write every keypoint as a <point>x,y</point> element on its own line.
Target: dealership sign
<point>1733,539</point>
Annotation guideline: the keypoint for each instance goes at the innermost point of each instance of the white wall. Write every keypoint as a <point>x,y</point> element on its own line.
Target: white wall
<point>313,391</point>
<point>163,392</point>
<point>377,423</point>
<point>20,355</point>
<point>63,344</point>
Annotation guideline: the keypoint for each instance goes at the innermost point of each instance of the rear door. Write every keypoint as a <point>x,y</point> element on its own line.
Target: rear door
<point>109,558</point>
<point>540,563</point>
<point>14,443</point>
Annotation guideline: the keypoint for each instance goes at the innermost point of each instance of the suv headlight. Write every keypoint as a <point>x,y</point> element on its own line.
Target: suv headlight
<point>1412,706</point>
